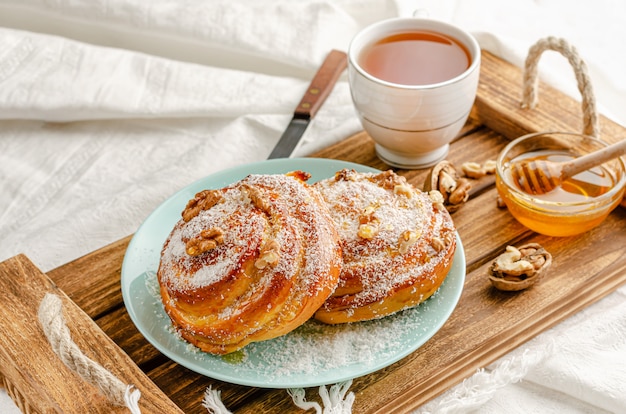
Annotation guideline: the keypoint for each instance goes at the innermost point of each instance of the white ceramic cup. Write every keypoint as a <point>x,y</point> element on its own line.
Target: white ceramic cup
<point>412,125</point>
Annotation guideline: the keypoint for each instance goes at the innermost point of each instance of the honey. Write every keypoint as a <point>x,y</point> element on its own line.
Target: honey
<point>572,208</point>
<point>580,188</point>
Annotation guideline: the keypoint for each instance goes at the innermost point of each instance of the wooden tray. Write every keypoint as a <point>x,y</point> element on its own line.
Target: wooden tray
<point>485,325</point>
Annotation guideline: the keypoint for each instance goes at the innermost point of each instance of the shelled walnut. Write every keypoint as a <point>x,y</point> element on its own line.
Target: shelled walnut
<point>473,170</point>
<point>368,223</point>
<point>444,178</point>
<point>476,170</point>
<point>203,200</point>
<point>269,255</point>
<point>519,268</point>
<point>208,239</point>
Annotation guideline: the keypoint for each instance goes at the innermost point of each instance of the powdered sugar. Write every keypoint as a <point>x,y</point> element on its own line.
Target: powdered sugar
<point>377,262</point>
<point>290,361</point>
<point>230,293</point>
<point>189,272</point>
<point>319,350</point>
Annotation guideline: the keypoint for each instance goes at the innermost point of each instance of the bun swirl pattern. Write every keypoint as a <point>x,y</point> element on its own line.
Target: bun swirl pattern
<point>397,242</point>
<point>249,262</point>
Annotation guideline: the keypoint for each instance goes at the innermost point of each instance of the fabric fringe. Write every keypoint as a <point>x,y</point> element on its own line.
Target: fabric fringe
<point>213,402</point>
<point>299,399</point>
<point>334,401</point>
<point>131,399</point>
<point>480,388</point>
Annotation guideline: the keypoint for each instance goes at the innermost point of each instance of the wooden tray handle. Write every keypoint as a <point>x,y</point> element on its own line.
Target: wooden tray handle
<point>529,98</point>
<point>52,322</point>
<point>33,374</point>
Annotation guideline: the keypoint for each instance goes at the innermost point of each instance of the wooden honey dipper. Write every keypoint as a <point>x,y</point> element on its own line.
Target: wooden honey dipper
<point>543,176</point>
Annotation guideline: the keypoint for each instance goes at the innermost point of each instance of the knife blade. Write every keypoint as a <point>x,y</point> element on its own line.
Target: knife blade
<point>317,92</point>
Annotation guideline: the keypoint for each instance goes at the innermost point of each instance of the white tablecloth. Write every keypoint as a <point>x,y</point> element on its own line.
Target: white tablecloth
<point>109,107</point>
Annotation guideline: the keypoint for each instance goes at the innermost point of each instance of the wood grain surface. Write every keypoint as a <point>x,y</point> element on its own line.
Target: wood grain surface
<point>485,325</point>
<point>35,376</point>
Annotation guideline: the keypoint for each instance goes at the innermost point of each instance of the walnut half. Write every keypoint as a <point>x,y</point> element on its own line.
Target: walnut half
<point>519,268</point>
<point>444,178</point>
<point>208,239</point>
<point>473,170</point>
<point>203,200</point>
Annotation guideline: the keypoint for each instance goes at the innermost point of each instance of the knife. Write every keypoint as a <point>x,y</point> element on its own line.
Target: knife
<point>315,95</point>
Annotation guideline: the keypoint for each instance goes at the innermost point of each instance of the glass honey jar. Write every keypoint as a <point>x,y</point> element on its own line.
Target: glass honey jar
<point>581,203</point>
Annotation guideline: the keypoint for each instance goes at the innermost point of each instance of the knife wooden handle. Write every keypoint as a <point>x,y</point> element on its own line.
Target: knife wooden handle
<point>322,84</point>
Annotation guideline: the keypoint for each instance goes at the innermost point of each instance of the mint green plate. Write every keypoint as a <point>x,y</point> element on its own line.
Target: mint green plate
<point>312,355</point>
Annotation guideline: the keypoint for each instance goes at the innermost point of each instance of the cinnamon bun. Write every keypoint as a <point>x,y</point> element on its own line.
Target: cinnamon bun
<point>398,244</point>
<point>249,262</point>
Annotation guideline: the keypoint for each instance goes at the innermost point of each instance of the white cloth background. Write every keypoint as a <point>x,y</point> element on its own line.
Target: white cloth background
<point>108,107</point>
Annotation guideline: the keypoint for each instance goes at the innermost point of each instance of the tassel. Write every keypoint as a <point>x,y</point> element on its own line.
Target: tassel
<point>335,401</point>
<point>298,397</point>
<point>213,403</point>
<point>131,399</point>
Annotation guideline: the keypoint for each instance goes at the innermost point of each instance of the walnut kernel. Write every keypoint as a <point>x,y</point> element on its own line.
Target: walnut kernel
<point>447,183</point>
<point>256,197</point>
<point>407,239</point>
<point>368,230</point>
<point>490,166</point>
<point>345,175</point>
<point>444,178</point>
<point>203,200</point>
<point>269,255</point>
<point>460,194</point>
<point>438,244</point>
<point>473,170</point>
<point>208,239</point>
<point>437,198</point>
<point>388,180</point>
<point>510,263</point>
<point>368,223</point>
<point>403,189</point>
<point>519,268</point>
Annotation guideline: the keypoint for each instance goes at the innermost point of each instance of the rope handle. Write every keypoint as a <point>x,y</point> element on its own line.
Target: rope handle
<point>51,318</point>
<point>529,98</point>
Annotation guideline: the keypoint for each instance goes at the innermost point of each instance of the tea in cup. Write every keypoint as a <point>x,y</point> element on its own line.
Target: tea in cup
<point>413,83</point>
